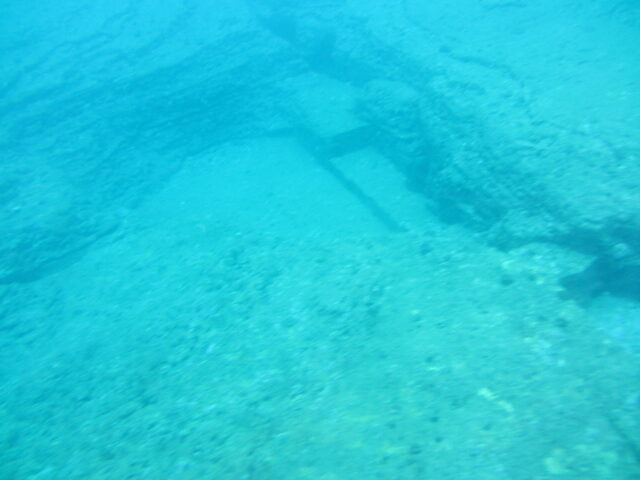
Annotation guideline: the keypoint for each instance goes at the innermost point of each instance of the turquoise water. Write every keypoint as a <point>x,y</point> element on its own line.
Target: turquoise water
<point>320,240</point>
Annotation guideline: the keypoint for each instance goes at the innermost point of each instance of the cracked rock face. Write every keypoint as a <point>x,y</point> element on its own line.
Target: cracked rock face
<point>512,145</point>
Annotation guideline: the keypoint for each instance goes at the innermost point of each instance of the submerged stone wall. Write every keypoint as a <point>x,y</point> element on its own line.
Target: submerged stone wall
<point>532,139</point>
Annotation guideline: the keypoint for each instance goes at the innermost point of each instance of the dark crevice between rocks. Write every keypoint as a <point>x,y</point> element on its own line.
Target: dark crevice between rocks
<point>608,274</point>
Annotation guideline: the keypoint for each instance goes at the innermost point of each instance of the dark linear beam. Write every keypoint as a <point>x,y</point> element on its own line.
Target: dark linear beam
<point>322,152</point>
